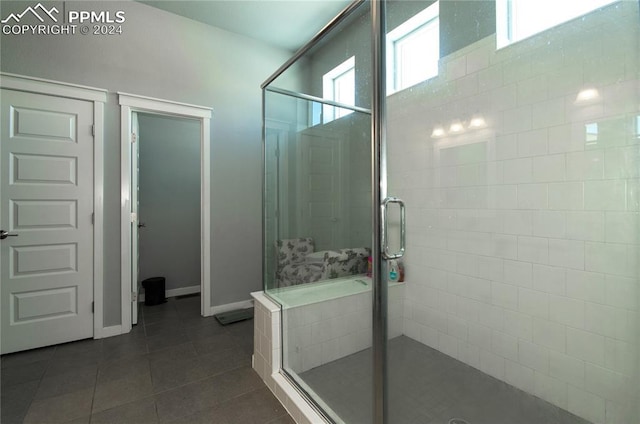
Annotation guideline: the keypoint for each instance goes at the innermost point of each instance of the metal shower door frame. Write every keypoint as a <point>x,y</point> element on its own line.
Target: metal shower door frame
<point>378,187</point>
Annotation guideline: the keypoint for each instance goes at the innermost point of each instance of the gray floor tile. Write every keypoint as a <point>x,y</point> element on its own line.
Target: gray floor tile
<point>42,385</point>
<point>285,419</point>
<point>174,373</point>
<point>133,347</point>
<point>118,369</point>
<point>120,391</point>
<point>243,328</point>
<point>236,382</point>
<point>183,401</point>
<point>192,316</point>
<point>28,357</point>
<point>164,341</point>
<point>20,391</point>
<point>15,401</point>
<point>426,386</point>
<point>136,334</point>
<point>57,366</point>
<point>136,329</point>
<point>256,407</point>
<point>81,420</point>
<point>164,328</point>
<point>181,351</point>
<point>24,373</point>
<point>72,381</point>
<point>224,360</point>
<point>89,348</point>
<point>165,316</point>
<point>161,308</point>
<point>142,411</point>
<point>60,409</point>
<point>198,329</point>
<point>203,394</point>
<point>214,343</point>
<point>148,311</point>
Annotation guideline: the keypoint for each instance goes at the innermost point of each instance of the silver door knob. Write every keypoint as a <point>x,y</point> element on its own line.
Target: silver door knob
<point>4,234</point>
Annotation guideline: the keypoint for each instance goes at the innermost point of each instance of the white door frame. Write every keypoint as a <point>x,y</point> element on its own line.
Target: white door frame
<point>133,103</point>
<point>282,128</point>
<point>98,97</point>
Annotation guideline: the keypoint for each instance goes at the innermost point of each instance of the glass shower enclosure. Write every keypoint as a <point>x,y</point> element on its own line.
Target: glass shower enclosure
<point>511,130</point>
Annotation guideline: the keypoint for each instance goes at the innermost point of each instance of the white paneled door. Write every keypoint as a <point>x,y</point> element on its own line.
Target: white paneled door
<point>46,198</point>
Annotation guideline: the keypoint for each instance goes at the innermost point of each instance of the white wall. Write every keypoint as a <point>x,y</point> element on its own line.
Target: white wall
<point>169,200</point>
<point>523,235</point>
<point>169,57</point>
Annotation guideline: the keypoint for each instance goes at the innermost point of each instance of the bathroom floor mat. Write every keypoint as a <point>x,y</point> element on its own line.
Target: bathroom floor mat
<point>230,317</point>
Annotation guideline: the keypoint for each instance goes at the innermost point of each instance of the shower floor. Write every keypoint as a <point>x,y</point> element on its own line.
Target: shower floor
<point>428,387</point>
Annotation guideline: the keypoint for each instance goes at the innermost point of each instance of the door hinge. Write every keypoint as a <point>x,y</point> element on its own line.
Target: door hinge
<point>92,307</point>
<point>134,217</point>
<point>134,138</point>
<point>93,130</point>
<point>93,218</point>
<point>134,297</point>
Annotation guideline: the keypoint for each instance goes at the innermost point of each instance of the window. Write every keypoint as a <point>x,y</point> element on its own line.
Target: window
<point>519,19</point>
<point>591,131</point>
<point>339,85</point>
<point>413,50</point>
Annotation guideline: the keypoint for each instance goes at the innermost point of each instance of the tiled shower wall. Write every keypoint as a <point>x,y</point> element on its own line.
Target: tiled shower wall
<point>523,233</point>
<point>322,332</point>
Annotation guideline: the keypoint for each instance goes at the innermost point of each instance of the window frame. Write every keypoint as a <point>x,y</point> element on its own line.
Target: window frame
<point>422,21</point>
<point>507,16</point>
<point>330,113</point>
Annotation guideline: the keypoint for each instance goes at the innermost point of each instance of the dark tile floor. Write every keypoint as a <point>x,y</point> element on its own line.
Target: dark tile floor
<point>174,367</point>
<point>428,387</point>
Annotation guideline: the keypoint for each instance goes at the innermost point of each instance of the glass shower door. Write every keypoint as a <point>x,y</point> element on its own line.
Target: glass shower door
<point>513,135</point>
<point>318,220</point>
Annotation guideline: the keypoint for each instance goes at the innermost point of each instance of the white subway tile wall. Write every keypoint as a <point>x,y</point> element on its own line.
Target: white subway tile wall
<point>322,332</point>
<point>267,360</point>
<point>523,235</point>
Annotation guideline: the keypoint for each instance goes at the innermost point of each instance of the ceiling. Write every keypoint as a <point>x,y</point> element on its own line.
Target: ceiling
<point>288,24</point>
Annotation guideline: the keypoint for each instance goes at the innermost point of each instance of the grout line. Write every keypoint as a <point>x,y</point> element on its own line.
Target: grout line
<point>93,396</point>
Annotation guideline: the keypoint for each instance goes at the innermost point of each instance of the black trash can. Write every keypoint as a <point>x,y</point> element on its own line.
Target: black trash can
<point>154,291</point>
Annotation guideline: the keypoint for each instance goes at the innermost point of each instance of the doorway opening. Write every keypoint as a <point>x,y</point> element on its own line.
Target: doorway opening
<point>165,233</point>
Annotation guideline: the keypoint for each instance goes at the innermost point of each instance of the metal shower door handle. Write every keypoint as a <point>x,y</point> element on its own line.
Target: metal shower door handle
<point>4,234</point>
<point>383,238</point>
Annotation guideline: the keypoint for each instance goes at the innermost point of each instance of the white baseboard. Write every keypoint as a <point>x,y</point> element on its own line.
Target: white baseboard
<point>232,306</point>
<point>114,330</point>
<point>180,291</point>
